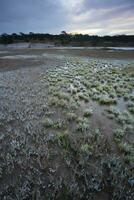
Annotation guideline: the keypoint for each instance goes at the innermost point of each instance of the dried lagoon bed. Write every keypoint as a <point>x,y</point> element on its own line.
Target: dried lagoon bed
<point>66,126</point>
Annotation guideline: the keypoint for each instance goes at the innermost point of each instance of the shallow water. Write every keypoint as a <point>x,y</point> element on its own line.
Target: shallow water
<point>49,45</point>
<point>23,105</point>
<point>121,104</point>
<point>20,57</point>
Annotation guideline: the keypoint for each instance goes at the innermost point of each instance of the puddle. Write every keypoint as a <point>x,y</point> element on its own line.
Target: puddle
<point>98,119</point>
<point>61,57</point>
<point>21,57</point>
<point>2,52</point>
<point>121,105</point>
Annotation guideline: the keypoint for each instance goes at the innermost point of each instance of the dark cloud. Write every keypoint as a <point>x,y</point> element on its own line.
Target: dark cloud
<point>97,4</point>
<point>87,16</point>
<point>30,15</point>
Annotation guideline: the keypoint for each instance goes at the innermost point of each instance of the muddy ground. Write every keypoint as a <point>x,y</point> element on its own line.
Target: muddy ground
<point>66,124</point>
<point>91,53</point>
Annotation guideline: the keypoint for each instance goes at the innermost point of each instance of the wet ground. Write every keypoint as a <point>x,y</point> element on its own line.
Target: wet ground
<point>35,87</point>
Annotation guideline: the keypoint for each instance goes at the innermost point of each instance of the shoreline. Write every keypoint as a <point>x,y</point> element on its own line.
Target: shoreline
<point>90,53</point>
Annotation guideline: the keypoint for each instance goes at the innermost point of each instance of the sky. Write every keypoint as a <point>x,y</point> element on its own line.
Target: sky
<point>93,17</point>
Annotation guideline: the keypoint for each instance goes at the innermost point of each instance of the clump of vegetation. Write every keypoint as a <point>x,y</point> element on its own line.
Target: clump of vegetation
<point>83,96</point>
<point>129,70</point>
<point>107,100</point>
<point>86,148</point>
<point>53,101</point>
<point>113,110</point>
<point>83,124</point>
<point>71,116</point>
<point>124,147</point>
<point>129,158</point>
<point>63,140</point>
<point>63,103</point>
<point>88,112</point>
<point>62,95</point>
<point>125,118</point>
<point>119,133</point>
<point>132,98</point>
<point>131,109</point>
<point>59,125</point>
<point>126,97</point>
<point>48,122</point>
<point>73,106</point>
<point>49,113</point>
<point>72,89</point>
<point>97,134</point>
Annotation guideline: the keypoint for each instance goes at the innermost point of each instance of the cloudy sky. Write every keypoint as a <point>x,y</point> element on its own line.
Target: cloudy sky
<point>98,17</point>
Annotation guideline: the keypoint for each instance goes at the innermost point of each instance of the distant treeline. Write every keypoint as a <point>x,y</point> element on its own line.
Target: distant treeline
<point>65,39</point>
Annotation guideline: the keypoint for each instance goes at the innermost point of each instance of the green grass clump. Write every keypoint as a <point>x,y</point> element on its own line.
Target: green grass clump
<point>129,158</point>
<point>106,100</point>
<point>95,97</point>
<point>118,135</point>
<point>83,96</point>
<point>53,101</point>
<point>97,134</point>
<point>113,110</point>
<point>62,103</point>
<point>86,148</point>
<point>73,105</point>
<point>71,89</point>
<point>59,125</point>
<point>88,112</point>
<point>129,70</point>
<point>63,95</point>
<point>49,113</point>
<point>63,140</point>
<point>126,97</point>
<point>132,98</point>
<point>131,109</point>
<point>125,118</point>
<point>125,148</point>
<point>71,116</point>
<point>87,84</point>
<point>48,123</point>
<point>83,124</point>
